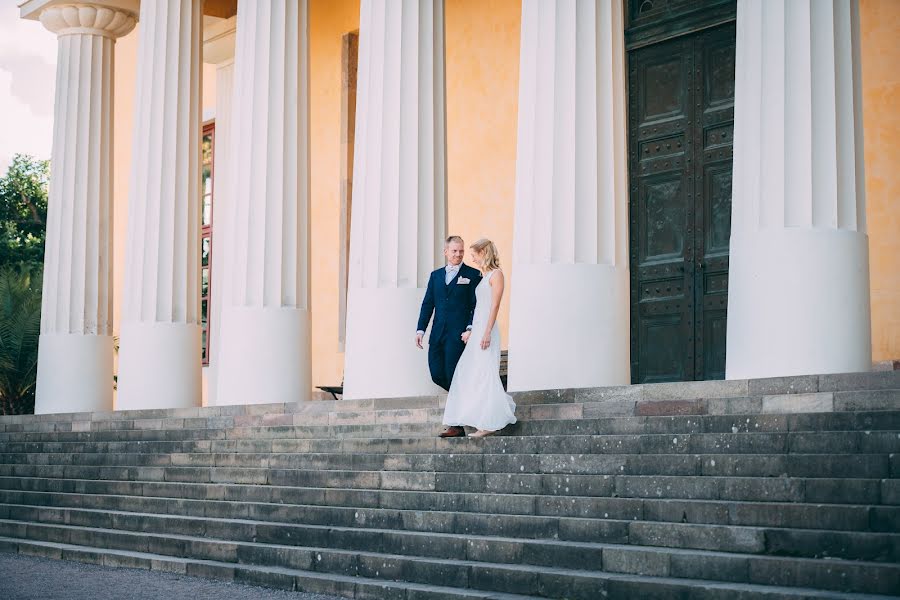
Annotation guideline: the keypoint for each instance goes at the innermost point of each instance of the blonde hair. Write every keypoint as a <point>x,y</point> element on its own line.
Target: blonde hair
<point>491,258</point>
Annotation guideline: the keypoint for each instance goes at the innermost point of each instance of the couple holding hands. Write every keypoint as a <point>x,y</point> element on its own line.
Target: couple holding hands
<point>464,345</point>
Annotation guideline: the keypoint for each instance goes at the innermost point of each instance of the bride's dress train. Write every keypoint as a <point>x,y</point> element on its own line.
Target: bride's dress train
<point>477,397</point>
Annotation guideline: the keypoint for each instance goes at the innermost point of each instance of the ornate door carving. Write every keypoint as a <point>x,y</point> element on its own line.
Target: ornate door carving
<point>681,114</point>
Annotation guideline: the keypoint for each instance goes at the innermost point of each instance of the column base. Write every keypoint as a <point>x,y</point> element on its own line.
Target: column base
<point>569,327</point>
<point>264,356</point>
<point>74,373</point>
<point>798,303</point>
<point>159,366</point>
<point>381,358</point>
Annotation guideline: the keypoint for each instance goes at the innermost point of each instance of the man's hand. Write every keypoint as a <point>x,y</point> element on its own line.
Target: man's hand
<point>419,337</point>
<point>465,336</point>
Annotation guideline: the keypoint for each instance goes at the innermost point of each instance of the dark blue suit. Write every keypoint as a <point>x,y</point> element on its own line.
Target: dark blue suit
<point>453,305</point>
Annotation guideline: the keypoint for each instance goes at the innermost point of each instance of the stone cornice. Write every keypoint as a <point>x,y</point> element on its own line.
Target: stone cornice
<point>218,41</point>
<point>87,18</point>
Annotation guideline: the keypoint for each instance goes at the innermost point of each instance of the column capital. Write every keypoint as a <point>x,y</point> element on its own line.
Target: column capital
<point>91,18</point>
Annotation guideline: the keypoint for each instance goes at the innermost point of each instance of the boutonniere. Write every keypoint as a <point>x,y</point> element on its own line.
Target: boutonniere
<point>462,281</point>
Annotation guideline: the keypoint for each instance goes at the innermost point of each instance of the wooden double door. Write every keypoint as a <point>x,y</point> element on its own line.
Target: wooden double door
<point>681,119</point>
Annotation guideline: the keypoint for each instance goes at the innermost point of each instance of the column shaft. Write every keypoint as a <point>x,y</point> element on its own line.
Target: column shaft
<point>159,363</point>
<point>75,366</point>
<point>265,330</point>
<point>570,293</point>
<point>399,194</point>
<point>223,189</point>
<point>798,299</point>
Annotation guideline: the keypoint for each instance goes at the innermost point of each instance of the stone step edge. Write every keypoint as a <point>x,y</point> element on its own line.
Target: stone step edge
<point>268,577</point>
<point>865,509</point>
<point>468,562</point>
<point>485,452</point>
<point>393,430</point>
<point>427,413</point>
<point>346,586</point>
<point>429,535</point>
<point>695,390</point>
<point>749,529</point>
<point>339,490</point>
<point>512,457</point>
<point>336,489</point>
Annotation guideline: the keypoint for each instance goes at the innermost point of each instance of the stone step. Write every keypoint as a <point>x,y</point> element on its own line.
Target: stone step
<point>804,442</point>
<point>846,441</point>
<point>485,559</point>
<point>749,396</point>
<point>552,584</point>
<point>411,471</point>
<point>752,489</point>
<point>169,499</point>
<point>431,412</point>
<point>879,546</point>
<point>764,488</point>
<point>862,422</point>
<point>272,577</point>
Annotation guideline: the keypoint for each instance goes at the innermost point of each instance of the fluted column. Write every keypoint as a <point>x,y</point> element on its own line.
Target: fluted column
<point>265,330</point>
<point>399,195</point>
<point>75,356</point>
<point>798,298</point>
<point>218,49</point>
<point>159,361</point>
<point>569,305</point>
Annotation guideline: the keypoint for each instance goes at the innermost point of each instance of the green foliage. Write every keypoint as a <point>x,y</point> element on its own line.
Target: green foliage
<point>20,325</point>
<point>23,211</point>
<point>23,222</point>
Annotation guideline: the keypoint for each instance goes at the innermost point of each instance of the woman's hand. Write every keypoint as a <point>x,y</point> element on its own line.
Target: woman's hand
<point>486,341</point>
<point>465,336</point>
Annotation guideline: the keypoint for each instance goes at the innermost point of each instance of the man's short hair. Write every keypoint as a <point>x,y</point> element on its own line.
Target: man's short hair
<point>452,239</point>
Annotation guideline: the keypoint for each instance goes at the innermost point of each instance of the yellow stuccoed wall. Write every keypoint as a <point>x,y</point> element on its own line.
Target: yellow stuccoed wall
<point>880,49</point>
<point>482,63</point>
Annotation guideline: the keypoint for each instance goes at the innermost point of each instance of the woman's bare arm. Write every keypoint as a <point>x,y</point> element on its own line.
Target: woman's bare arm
<point>497,284</point>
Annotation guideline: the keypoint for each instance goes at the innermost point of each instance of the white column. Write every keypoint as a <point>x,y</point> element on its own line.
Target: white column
<point>218,49</point>
<point>75,364</point>
<point>399,195</point>
<point>570,293</point>
<point>159,360</point>
<point>798,299</point>
<point>265,331</point>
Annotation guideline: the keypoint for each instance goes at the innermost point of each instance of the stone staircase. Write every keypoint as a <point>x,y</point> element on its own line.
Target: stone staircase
<point>775,488</point>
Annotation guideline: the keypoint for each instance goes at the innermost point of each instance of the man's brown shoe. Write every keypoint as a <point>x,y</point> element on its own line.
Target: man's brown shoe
<point>454,431</point>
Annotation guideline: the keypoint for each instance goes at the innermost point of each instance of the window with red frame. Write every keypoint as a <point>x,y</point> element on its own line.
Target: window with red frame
<point>206,200</point>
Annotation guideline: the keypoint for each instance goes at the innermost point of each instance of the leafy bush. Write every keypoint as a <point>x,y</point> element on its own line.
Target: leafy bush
<point>20,326</point>
<point>23,222</point>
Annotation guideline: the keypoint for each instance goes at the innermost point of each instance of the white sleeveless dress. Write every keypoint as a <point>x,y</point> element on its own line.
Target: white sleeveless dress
<point>476,397</point>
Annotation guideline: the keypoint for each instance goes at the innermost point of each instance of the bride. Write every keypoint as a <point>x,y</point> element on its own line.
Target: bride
<point>476,397</point>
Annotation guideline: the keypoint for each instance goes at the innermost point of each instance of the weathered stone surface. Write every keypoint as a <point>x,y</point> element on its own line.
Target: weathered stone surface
<point>798,403</point>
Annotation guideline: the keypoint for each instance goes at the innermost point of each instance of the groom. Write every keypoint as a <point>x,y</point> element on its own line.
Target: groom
<point>450,296</point>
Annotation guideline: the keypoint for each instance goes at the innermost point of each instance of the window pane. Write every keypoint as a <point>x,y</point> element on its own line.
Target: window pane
<point>207,210</point>
<point>205,252</point>
<point>204,286</point>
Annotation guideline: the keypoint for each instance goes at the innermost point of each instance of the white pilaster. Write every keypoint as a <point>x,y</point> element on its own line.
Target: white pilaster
<point>265,331</point>
<point>75,365</point>
<point>798,299</point>
<point>218,49</point>
<point>570,292</point>
<point>159,361</point>
<point>399,195</point>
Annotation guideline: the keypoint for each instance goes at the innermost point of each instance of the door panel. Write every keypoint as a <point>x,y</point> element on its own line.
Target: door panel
<point>681,113</point>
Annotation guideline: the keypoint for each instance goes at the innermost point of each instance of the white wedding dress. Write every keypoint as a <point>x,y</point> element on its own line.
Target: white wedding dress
<point>476,395</point>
